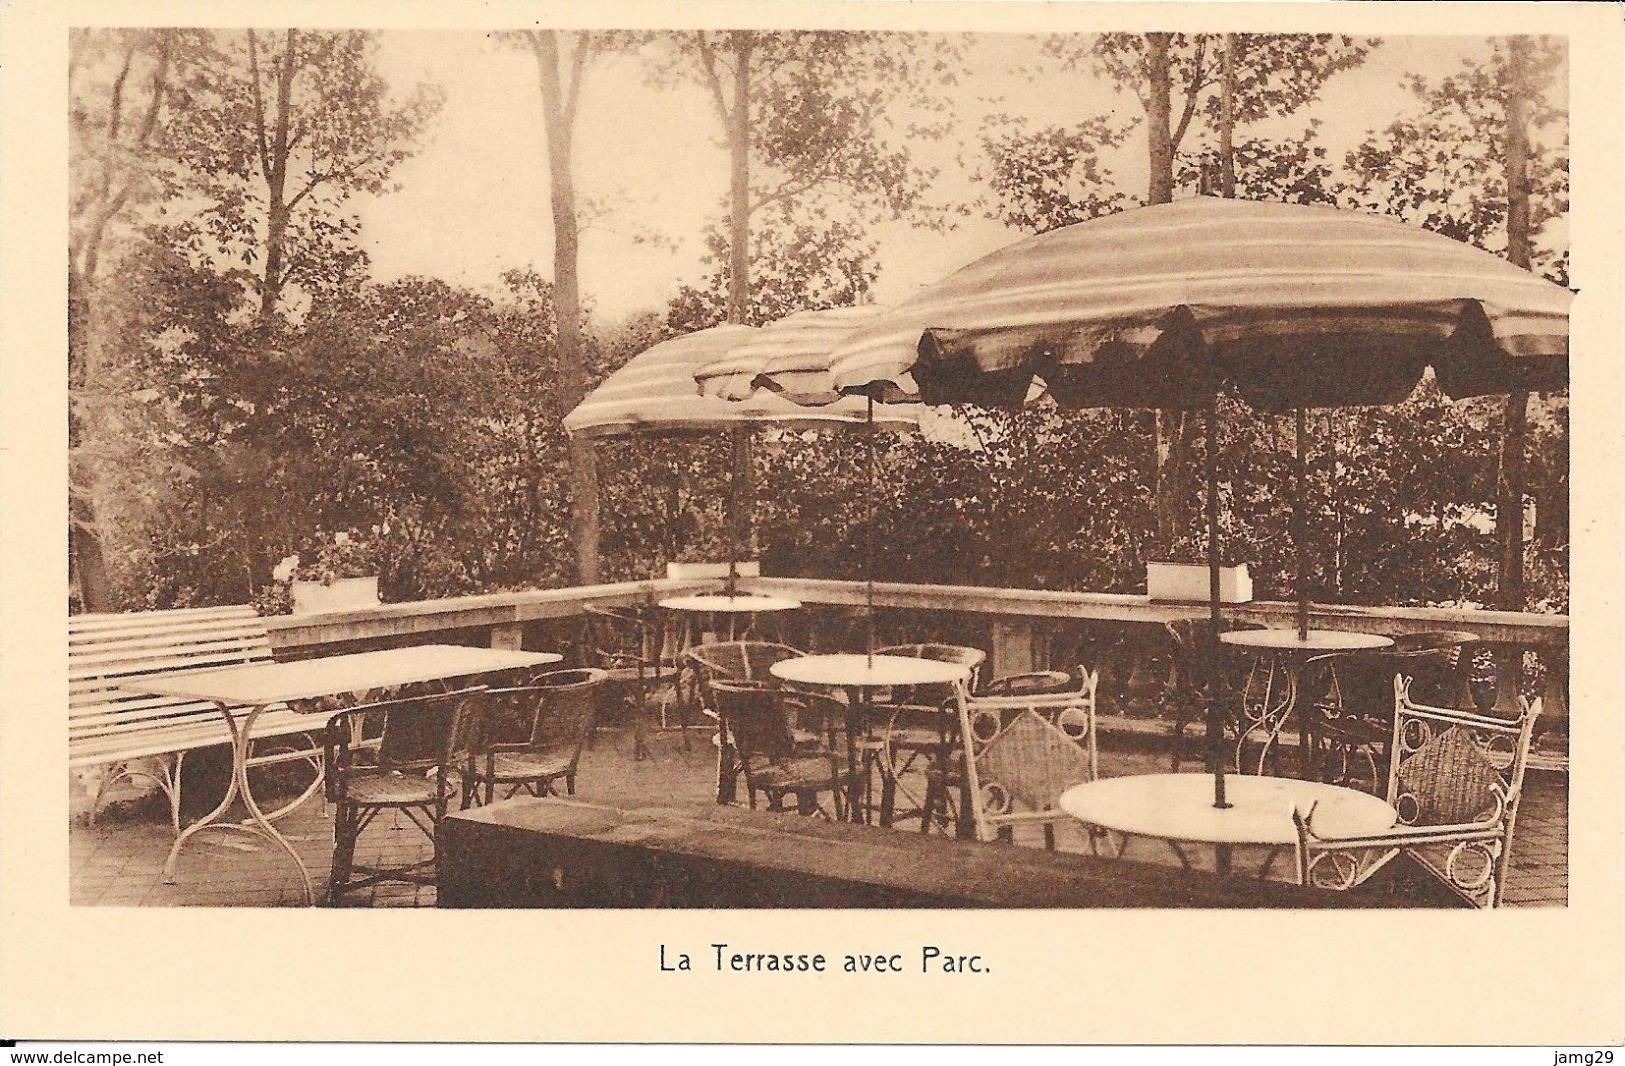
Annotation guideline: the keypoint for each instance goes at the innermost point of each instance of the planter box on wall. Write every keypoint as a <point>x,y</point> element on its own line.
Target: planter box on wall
<point>345,594</point>
<point>693,571</point>
<point>1188,583</point>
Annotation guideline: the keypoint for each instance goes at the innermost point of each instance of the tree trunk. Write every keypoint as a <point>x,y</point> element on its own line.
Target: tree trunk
<point>1227,120</point>
<point>275,168</point>
<point>1174,486</point>
<point>87,565</point>
<point>1158,134</point>
<point>567,300</point>
<point>1509,506</point>
<point>738,131</point>
<point>743,474</point>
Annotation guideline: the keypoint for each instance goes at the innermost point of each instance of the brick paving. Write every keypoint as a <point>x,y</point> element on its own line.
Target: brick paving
<point>120,861</point>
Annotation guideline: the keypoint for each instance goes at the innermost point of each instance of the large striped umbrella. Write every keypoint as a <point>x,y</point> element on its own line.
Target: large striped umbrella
<point>656,393</point>
<point>1163,306</point>
<point>1293,306</point>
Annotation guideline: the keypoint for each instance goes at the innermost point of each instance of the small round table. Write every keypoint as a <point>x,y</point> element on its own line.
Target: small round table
<point>731,607</point>
<point>1267,705</point>
<point>860,675</point>
<point>1178,808</point>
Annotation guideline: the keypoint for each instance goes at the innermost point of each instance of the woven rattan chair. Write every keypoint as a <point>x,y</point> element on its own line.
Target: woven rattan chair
<point>629,644</point>
<point>731,660</point>
<point>1356,718</point>
<point>1022,752</point>
<point>1204,671</point>
<point>756,719</point>
<point>1455,779</point>
<point>397,755</point>
<point>531,738</point>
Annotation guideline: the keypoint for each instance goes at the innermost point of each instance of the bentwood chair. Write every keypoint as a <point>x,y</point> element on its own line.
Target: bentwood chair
<point>917,718</point>
<point>396,755</point>
<point>629,645</point>
<point>1356,722</point>
<point>1455,779</point>
<point>531,738</point>
<point>732,660</point>
<point>756,718</point>
<point>1021,753</point>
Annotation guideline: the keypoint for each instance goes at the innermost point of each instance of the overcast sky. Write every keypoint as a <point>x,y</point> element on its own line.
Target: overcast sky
<point>474,201</point>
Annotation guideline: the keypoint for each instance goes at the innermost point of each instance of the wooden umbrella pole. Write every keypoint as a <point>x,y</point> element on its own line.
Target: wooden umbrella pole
<point>1215,721</point>
<point>1298,536</point>
<point>869,548</point>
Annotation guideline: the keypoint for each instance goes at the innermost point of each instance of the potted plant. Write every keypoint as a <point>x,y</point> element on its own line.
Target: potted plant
<point>339,574</point>
<point>700,561</point>
<point>1183,578</point>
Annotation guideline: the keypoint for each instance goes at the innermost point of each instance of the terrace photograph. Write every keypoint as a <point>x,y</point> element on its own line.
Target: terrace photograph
<point>818,468</point>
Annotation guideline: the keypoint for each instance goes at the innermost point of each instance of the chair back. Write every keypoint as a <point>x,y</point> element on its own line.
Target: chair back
<point>622,637</point>
<point>1201,660</point>
<point>942,653</point>
<point>1037,683</point>
<point>1455,767</point>
<point>551,715</point>
<point>1024,751</point>
<point>413,734</point>
<point>754,717</point>
<point>739,660</point>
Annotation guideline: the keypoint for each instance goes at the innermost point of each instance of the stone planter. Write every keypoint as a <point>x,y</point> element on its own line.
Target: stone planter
<point>696,571</point>
<point>1188,583</point>
<point>345,594</point>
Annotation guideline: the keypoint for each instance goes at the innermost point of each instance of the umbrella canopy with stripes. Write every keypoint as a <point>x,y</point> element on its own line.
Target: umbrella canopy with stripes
<point>790,356</point>
<point>655,393</point>
<point>1293,306</point>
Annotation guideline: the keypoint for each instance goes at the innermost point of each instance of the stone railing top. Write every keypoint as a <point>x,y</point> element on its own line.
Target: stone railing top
<point>514,608</point>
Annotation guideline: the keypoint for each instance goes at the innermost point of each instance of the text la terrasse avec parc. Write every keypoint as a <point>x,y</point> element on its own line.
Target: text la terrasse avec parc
<point>928,959</point>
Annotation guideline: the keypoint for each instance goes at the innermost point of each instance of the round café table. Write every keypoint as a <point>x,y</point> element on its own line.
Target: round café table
<point>733,608</point>
<point>1178,809</point>
<point>860,675</point>
<point>1271,695</point>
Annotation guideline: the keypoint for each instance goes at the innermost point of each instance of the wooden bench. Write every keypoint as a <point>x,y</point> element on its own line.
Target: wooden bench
<point>128,731</point>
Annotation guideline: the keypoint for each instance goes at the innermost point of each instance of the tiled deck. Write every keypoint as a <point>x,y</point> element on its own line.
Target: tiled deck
<point>120,862</point>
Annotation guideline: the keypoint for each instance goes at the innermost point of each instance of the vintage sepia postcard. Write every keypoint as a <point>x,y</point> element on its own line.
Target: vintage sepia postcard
<point>667,522</point>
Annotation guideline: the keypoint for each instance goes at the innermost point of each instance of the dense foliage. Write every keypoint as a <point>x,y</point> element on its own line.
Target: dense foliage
<point>426,417</point>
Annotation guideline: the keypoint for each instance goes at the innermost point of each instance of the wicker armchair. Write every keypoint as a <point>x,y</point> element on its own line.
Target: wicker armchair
<point>397,755</point>
<point>756,720</point>
<point>732,660</point>
<point>629,645</point>
<point>1455,779</point>
<point>1022,752</point>
<point>531,738</point>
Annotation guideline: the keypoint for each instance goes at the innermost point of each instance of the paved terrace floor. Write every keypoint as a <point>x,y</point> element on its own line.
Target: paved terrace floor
<point>120,861</point>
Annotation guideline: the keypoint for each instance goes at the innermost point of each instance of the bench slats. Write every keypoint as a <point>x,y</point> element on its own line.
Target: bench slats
<point>87,652</point>
<point>98,750</point>
<point>169,660</point>
<point>108,723</point>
